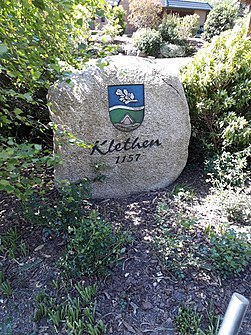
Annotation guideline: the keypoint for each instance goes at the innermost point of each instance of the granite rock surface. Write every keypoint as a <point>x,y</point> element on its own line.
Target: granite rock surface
<point>138,143</point>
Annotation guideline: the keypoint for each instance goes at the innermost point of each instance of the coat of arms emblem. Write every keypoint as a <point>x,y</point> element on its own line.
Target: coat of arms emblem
<point>126,106</point>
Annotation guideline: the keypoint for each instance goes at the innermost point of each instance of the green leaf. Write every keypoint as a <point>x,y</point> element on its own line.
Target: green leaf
<point>80,22</point>
<point>4,182</point>
<point>38,147</point>
<point>17,111</point>
<point>36,74</point>
<point>6,186</point>
<point>39,4</point>
<point>3,49</point>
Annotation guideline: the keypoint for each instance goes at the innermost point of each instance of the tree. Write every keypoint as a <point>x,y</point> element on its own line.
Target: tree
<point>40,41</point>
<point>145,14</point>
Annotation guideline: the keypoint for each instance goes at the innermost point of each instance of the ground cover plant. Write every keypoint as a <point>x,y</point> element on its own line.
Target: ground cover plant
<point>75,315</point>
<point>222,250</point>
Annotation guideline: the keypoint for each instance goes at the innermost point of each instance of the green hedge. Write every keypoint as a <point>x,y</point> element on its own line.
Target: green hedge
<point>217,84</point>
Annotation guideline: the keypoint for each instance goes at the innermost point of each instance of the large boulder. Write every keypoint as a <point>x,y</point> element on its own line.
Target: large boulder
<point>136,117</point>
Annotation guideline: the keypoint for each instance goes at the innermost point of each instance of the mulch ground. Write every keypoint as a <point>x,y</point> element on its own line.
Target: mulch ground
<point>139,296</point>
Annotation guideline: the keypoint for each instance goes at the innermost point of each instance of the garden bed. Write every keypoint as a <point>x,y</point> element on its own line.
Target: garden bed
<point>141,294</point>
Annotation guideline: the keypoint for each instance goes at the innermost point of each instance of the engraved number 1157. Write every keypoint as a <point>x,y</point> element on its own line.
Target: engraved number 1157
<point>127,158</point>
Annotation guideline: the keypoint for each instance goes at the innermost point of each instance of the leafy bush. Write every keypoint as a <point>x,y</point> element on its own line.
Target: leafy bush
<point>93,247</point>
<point>175,30</point>
<point>148,41</point>
<point>44,40</point>
<point>119,15</point>
<point>236,131</point>
<point>169,29</point>
<point>228,170</point>
<point>116,22</point>
<point>57,33</point>
<point>222,17</point>
<point>188,26</point>
<point>20,165</point>
<point>67,209</point>
<point>230,253</point>
<point>217,84</point>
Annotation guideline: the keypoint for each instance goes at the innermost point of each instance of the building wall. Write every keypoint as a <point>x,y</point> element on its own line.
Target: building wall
<point>179,12</point>
<point>129,28</point>
<point>202,16</point>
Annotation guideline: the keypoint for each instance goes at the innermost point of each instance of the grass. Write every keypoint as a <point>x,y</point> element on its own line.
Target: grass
<point>189,321</point>
<point>75,314</point>
<point>5,286</point>
<point>11,244</point>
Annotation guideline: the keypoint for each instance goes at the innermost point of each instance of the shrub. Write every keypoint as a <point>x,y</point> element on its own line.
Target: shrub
<point>169,29</point>
<point>66,211</point>
<point>20,165</point>
<point>174,29</point>
<point>228,170</point>
<point>230,253</point>
<point>119,15</point>
<point>144,14</point>
<point>217,84</point>
<point>112,30</point>
<point>116,22</point>
<point>188,26</point>
<point>43,40</point>
<point>222,17</point>
<point>93,244</point>
<point>148,41</point>
<point>93,247</point>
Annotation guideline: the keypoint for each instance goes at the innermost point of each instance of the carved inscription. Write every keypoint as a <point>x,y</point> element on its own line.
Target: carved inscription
<point>127,158</point>
<point>105,147</point>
